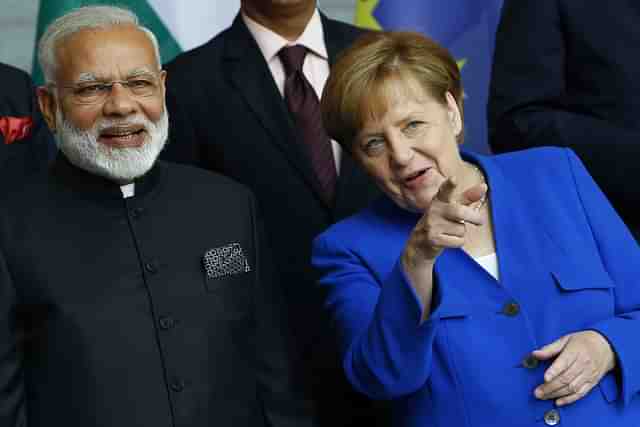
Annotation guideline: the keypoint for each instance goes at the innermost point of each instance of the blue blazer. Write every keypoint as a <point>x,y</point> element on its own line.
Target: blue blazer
<point>564,257</point>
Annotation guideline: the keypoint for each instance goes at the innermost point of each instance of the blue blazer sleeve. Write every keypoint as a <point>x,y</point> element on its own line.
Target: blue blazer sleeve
<point>387,352</point>
<point>621,258</point>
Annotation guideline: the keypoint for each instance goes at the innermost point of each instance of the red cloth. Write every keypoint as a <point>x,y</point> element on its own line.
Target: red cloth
<point>15,128</point>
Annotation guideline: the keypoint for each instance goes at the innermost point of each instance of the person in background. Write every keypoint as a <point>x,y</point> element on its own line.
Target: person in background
<point>245,104</point>
<point>480,290</point>
<point>132,292</point>
<point>574,84</point>
<point>25,142</point>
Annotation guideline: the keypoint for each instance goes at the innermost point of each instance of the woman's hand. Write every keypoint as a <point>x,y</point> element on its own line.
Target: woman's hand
<point>442,226</point>
<point>582,359</point>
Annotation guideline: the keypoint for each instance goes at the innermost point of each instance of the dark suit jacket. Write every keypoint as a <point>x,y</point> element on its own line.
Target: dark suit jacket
<point>29,154</point>
<point>566,73</point>
<point>227,115</point>
<point>108,316</point>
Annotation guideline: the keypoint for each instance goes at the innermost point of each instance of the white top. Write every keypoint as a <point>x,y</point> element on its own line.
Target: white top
<point>490,264</point>
<point>128,190</point>
<point>316,63</point>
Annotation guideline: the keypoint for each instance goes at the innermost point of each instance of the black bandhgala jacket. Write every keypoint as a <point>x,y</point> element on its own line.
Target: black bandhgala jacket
<point>107,314</point>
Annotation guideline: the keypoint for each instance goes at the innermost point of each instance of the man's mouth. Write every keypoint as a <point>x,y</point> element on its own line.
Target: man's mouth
<point>123,137</point>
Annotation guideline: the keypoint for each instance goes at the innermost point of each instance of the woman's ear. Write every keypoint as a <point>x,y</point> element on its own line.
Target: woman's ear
<point>453,113</point>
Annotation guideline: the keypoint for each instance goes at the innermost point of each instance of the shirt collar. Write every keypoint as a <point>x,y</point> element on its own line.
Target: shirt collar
<point>270,43</point>
<point>128,190</point>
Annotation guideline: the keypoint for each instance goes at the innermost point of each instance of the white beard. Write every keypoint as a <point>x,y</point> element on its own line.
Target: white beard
<point>121,165</point>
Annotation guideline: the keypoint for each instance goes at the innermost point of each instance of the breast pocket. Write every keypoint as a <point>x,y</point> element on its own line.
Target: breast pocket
<point>586,294</point>
<point>229,278</point>
<point>231,294</point>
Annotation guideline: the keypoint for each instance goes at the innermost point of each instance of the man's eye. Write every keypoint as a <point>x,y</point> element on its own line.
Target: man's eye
<point>140,84</point>
<point>90,90</point>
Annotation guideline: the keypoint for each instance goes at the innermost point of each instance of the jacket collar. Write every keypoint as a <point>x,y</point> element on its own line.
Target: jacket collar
<point>92,186</point>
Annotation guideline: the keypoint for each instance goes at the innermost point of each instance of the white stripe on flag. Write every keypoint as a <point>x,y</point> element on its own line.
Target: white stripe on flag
<point>194,22</point>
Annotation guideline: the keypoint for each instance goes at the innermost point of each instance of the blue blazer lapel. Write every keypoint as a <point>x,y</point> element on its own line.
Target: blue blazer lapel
<point>527,252</point>
<point>519,237</point>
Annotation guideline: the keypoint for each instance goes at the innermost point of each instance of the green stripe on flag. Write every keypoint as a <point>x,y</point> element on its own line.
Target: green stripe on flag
<point>50,10</point>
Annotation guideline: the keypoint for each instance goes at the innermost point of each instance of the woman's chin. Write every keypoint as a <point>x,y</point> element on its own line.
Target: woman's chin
<point>410,204</point>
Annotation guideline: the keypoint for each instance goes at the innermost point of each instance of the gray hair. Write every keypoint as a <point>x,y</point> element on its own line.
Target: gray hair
<point>88,17</point>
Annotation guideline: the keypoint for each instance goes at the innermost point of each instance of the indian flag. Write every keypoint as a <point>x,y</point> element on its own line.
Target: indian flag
<point>179,25</point>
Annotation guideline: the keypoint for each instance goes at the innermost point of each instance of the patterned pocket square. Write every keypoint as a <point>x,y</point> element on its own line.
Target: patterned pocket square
<point>225,260</point>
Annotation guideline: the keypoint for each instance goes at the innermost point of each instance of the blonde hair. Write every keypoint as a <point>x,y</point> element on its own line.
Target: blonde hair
<point>367,72</point>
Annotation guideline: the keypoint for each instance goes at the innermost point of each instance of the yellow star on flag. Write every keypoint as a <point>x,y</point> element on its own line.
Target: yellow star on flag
<point>364,14</point>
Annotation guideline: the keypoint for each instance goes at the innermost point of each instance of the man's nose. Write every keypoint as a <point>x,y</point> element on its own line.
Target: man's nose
<point>120,101</point>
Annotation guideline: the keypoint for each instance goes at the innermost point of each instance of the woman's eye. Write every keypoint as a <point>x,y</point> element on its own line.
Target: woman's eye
<point>373,146</point>
<point>412,126</point>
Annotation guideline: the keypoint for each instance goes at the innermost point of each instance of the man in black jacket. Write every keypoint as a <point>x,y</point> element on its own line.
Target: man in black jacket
<point>25,141</point>
<point>230,113</point>
<point>565,73</point>
<point>132,292</point>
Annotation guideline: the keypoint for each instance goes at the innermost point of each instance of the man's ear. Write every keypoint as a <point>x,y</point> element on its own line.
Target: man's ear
<point>163,82</point>
<point>47,103</point>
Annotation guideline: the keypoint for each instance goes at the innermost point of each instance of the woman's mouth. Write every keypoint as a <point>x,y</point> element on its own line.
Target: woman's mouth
<point>415,179</point>
<point>413,176</point>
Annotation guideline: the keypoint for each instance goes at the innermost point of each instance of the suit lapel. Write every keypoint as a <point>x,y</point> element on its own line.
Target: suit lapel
<point>248,72</point>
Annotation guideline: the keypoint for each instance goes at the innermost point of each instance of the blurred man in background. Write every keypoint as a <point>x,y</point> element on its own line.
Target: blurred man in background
<point>25,141</point>
<point>566,73</point>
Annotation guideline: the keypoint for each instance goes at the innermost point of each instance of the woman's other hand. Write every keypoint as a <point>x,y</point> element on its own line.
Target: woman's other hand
<point>581,360</point>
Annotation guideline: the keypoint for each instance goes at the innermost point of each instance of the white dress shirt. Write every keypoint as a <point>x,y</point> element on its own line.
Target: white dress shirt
<point>316,63</point>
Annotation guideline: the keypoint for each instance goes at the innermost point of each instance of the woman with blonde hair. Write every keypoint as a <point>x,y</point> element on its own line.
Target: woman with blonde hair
<point>481,290</point>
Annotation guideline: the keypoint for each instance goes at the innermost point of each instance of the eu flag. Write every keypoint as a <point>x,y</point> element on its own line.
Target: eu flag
<point>465,27</point>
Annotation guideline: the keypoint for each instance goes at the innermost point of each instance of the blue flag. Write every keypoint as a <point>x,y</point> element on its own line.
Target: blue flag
<point>465,27</point>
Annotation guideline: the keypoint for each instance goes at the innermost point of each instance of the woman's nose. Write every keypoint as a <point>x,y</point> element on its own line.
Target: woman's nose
<point>401,152</point>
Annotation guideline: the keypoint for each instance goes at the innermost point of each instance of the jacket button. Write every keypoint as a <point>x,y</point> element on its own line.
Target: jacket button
<point>167,322</point>
<point>178,386</point>
<point>151,267</point>
<point>551,417</point>
<point>511,308</point>
<point>530,362</point>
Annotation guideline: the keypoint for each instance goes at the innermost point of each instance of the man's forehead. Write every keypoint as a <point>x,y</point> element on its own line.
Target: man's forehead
<point>113,52</point>
<point>102,75</point>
